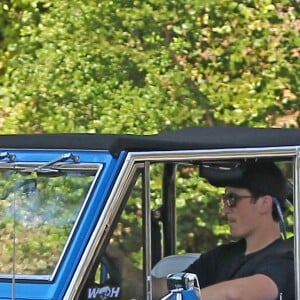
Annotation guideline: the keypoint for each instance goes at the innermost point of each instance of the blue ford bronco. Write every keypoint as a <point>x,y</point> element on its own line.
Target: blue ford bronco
<point>97,216</point>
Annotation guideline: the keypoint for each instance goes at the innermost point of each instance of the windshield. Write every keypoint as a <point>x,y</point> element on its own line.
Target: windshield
<point>38,210</point>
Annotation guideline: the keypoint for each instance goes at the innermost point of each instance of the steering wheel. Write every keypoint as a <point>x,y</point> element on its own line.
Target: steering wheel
<point>104,281</point>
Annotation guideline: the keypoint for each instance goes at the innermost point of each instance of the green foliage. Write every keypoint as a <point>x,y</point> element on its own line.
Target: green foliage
<point>151,65</point>
<point>201,225</point>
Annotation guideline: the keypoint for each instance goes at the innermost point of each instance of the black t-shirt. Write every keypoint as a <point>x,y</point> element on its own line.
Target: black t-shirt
<point>229,262</point>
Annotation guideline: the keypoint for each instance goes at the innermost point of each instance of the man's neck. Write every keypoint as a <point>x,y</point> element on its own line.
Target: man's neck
<point>262,239</point>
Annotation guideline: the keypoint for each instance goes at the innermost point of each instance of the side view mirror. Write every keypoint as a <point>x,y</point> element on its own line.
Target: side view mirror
<point>183,286</point>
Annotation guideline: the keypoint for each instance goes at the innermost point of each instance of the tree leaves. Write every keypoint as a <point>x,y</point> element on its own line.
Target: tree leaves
<point>79,67</point>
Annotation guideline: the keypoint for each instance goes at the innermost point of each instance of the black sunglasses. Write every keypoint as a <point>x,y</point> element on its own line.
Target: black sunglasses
<point>231,199</point>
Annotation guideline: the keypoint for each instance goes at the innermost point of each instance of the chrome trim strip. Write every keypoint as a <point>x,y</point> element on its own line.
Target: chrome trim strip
<point>26,277</point>
<point>297,224</point>
<point>147,231</point>
<point>233,153</point>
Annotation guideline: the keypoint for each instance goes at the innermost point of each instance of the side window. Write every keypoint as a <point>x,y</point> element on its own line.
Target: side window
<point>118,274</point>
<point>200,223</point>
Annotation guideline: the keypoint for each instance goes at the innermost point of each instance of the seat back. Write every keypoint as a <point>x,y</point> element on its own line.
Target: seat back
<point>173,264</point>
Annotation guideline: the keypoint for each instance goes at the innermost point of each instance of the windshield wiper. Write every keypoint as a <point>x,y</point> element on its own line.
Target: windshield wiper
<point>64,157</point>
<point>49,166</point>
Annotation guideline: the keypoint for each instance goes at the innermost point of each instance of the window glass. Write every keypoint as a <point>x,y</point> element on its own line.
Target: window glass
<point>200,226</point>
<point>37,214</point>
<point>118,273</point>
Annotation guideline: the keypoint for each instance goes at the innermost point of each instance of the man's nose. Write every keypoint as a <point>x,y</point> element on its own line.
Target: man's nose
<point>226,209</point>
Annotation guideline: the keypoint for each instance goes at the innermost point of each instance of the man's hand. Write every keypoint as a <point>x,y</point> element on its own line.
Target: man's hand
<point>256,287</point>
<point>159,288</point>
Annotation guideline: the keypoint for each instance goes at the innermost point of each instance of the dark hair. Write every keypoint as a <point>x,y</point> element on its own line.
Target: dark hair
<point>265,178</point>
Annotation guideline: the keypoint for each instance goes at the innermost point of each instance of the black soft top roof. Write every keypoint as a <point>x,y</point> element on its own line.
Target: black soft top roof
<point>192,138</point>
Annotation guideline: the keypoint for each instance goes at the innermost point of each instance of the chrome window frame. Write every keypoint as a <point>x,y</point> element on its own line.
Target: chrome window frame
<point>135,160</point>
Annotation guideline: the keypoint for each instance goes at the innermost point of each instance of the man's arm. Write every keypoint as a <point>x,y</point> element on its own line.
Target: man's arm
<point>256,287</point>
<point>159,288</point>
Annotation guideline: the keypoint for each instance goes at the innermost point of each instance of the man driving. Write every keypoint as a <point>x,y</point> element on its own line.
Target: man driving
<point>259,264</point>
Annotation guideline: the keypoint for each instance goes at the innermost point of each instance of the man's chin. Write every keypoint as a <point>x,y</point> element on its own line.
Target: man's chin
<point>236,234</point>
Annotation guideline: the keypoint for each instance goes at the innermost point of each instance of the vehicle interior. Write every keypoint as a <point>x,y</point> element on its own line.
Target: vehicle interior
<point>184,220</point>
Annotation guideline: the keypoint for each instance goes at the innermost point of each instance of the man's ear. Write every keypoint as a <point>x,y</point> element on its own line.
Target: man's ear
<point>266,204</point>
